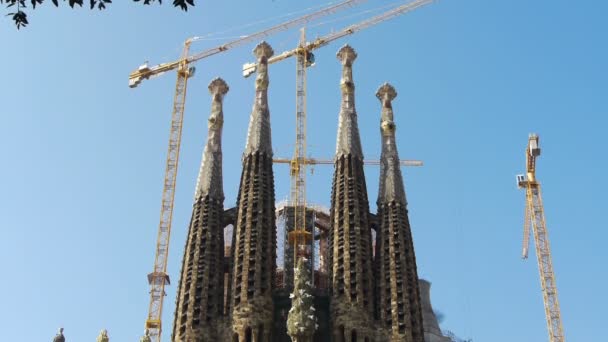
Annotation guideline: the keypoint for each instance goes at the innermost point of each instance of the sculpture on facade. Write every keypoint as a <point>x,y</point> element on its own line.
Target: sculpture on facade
<point>103,336</point>
<point>301,322</point>
<point>59,337</point>
<point>146,337</point>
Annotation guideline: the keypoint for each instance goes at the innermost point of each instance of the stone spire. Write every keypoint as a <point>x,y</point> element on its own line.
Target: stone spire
<point>254,247</point>
<point>258,135</point>
<point>210,174</point>
<point>199,306</point>
<point>350,251</point>
<point>391,182</point>
<point>348,141</point>
<point>398,294</point>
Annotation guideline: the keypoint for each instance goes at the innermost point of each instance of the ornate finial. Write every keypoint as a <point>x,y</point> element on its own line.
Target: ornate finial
<point>348,140</point>
<point>263,51</point>
<point>391,181</point>
<point>386,93</point>
<point>210,175</point>
<point>346,55</point>
<point>258,134</point>
<point>218,86</point>
<point>146,337</point>
<point>59,337</point>
<point>103,336</point>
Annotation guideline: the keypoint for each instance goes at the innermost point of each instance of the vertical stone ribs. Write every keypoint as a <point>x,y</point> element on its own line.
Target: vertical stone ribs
<point>350,256</point>
<point>255,230</point>
<point>199,306</point>
<point>399,305</point>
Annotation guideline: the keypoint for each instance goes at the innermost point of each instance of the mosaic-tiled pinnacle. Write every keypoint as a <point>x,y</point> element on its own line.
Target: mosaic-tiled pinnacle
<point>398,295</point>
<point>350,251</point>
<point>199,306</point>
<point>254,246</point>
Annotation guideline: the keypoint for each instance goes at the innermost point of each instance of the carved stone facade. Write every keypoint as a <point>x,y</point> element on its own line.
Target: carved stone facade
<point>200,295</point>
<point>399,309</point>
<point>350,243</point>
<point>255,230</point>
<point>230,293</point>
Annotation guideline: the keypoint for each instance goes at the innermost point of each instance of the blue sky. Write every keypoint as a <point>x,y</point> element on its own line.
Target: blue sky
<point>84,154</point>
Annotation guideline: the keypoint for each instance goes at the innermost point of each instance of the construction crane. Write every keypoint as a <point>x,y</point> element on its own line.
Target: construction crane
<point>159,278</point>
<point>299,237</point>
<point>535,217</point>
<point>373,162</point>
<point>250,68</point>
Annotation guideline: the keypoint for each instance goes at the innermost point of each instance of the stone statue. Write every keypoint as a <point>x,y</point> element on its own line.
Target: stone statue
<point>103,336</point>
<point>59,337</point>
<point>146,337</point>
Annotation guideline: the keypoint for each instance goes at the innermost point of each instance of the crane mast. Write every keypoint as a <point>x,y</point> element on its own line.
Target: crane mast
<point>159,278</point>
<point>535,218</point>
<point>299,237</point>
<point>374,162</point>
<point>250,68</point>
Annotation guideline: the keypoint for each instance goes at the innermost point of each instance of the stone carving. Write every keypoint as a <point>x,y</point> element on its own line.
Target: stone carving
<point>103,336</point>
<point>146,337</point>
<point>200,299</point>
<point>398,294</point>
<point>350,243</point>
<point>301,322</point>
<point>59,337</point>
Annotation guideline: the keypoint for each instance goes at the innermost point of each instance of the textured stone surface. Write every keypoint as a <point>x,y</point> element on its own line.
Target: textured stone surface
<point>103,336</point>
<point>200,298</point>
<point>350,254</point>
<point>301,322</point>
<point>59,337</point>
<point>254,242</point>
<point>398,307</point>
<point>230,293</point>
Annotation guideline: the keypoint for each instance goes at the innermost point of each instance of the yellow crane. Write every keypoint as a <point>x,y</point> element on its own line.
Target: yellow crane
<point>299,237</point>
<point>159,277</point>
<point>316,161</point>
<point>535,217</point>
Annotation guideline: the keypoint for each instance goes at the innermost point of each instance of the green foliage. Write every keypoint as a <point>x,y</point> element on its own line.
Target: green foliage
<point>20,17</point>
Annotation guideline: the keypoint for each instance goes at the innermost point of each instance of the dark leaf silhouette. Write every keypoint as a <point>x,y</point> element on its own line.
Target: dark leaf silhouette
<point>20,17</point>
